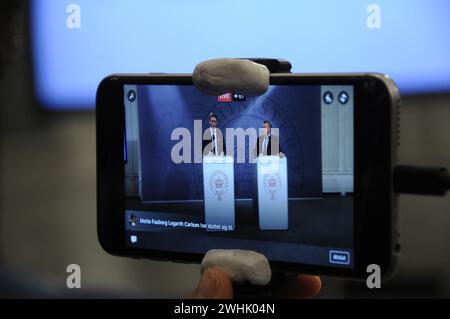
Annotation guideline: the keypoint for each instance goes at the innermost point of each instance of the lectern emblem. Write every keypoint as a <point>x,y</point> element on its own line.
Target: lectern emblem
<point>272,184</point>
<point>218,183</point>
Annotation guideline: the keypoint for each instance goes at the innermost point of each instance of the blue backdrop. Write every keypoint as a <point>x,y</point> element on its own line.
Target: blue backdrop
<point>295,110</point>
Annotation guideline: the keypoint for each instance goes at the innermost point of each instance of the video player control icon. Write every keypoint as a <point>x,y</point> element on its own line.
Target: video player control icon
<point>343,97</point>
<point>328,97</point>
<point>131,95</point>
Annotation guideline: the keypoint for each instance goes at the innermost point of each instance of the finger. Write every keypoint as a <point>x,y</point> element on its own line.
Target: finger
<point>302,286</point>
<point>214,284</point>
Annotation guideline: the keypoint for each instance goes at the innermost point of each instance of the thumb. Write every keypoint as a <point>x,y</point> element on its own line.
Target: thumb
<point>214,284</point>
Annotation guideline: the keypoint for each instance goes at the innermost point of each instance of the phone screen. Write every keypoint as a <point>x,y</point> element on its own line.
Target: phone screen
<point>272,173</point>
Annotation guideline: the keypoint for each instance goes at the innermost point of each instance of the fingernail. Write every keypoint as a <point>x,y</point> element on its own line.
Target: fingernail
<point>208,284</point>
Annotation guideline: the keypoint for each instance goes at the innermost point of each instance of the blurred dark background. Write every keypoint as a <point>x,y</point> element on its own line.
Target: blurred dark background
<point>48,199</point>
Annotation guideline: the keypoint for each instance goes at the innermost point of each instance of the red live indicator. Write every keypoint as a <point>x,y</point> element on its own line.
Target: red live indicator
<point>227,97</point>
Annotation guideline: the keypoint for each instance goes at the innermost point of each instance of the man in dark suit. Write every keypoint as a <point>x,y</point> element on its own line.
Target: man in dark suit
<point>213,141</point>
<point>268,144</point>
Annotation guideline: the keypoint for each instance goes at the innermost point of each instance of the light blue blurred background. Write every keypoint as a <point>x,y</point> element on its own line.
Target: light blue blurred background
<point>173,36</point>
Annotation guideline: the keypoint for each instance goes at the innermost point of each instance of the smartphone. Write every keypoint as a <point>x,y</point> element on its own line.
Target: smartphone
<point>175,178</point>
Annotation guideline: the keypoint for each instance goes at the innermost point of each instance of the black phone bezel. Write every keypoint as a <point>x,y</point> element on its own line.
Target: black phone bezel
<point>376,235</point>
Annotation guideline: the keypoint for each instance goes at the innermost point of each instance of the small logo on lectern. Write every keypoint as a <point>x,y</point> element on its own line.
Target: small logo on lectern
<point>272,184</point>
<point>218,183</point>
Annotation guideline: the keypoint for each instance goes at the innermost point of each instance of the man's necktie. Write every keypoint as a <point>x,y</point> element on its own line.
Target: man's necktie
<point>214,143</point>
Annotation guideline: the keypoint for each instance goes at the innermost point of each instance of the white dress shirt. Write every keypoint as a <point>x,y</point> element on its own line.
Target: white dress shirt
<point>265,144</point>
